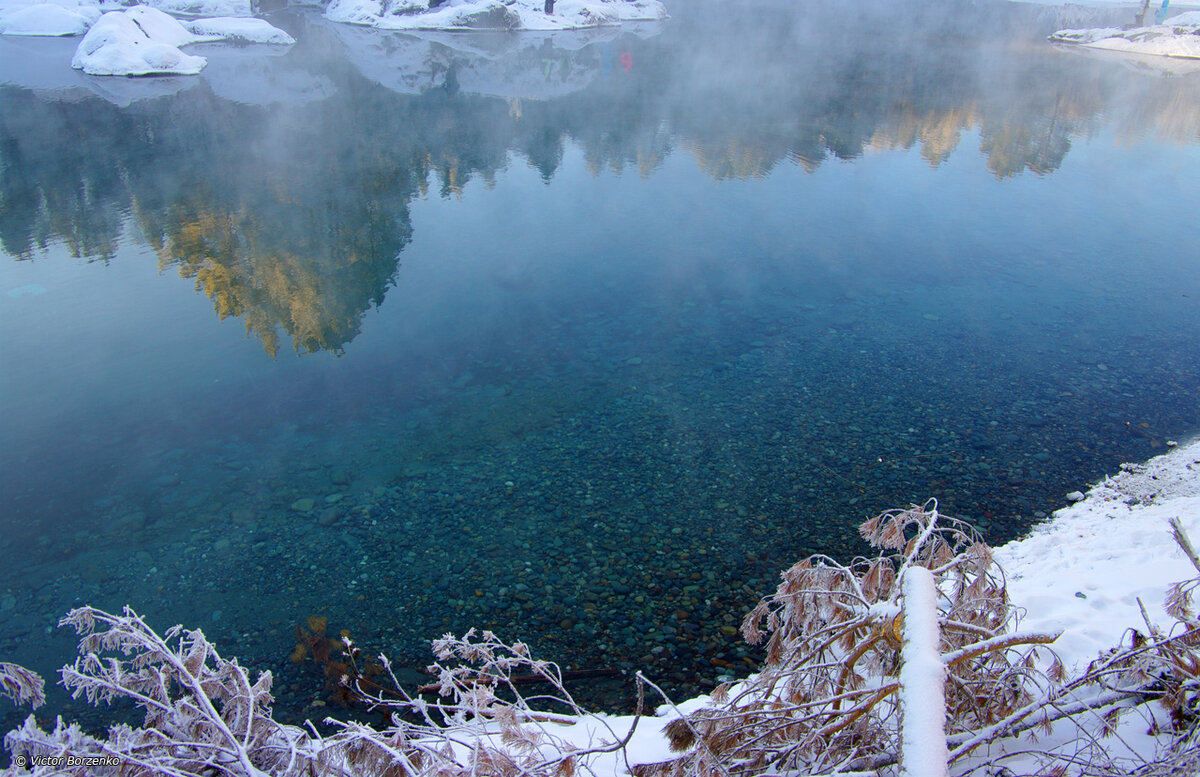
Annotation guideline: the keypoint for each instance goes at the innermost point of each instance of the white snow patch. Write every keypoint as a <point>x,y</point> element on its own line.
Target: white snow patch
<point>241,30</point>
<point>492,14</point>
<point>238,8</point>
<point>1086,569</point>
<point>47,19</point>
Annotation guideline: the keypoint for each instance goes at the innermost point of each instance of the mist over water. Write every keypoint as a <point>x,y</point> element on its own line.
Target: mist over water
<point>580,337</point>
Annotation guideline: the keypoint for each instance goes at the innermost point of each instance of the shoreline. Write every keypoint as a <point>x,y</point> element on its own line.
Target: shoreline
<point>1085,567</point>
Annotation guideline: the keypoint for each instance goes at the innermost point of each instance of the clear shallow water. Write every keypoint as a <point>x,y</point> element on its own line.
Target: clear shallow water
<point>579,352</point>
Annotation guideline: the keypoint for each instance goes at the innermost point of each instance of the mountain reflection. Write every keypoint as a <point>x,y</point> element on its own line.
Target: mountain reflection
<point>289,209</point>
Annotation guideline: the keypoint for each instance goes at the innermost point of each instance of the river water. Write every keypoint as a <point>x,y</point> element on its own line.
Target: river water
<point>579,337</point>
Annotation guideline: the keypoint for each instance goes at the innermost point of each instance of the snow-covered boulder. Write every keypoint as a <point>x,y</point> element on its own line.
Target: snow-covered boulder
<point>492,14</point>
<point>239,31</point>
<point>136,42</point>
<point>47,19</point>
<point>145,41</point>
<point>1178,36</point>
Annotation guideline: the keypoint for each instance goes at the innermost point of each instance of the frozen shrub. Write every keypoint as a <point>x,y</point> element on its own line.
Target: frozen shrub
<point>202,712</point>
<point>826,697</point>
<point>204,715</point>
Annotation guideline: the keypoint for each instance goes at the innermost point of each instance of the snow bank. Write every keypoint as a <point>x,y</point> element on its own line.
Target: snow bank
<point>239,31</point>
<point>1085,570</point>
<point>145,41</point>
<point>47,19</point>
<point>1178,36</point>
<point>492,14</point>
<point>238,8</point>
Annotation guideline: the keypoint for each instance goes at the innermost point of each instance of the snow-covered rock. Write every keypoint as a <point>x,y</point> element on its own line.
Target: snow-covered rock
<point>239,30</point>
<point>137,42</point>
<point>492,14</point>
<point>1178,36</point>
<point>145,41</point>
<point>47,19</point>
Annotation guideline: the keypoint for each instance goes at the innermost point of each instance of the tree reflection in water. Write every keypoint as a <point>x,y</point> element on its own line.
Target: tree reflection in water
<point>291,212</point>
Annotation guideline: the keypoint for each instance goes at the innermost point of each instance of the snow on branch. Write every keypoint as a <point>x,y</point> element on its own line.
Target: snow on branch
<point>923,751</point>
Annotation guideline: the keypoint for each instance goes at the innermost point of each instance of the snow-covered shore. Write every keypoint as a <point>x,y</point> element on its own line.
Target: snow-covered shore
<point>492,14</point>
<point>52,18</point>
<point>147,39</point>
<point>1083,572</point>
<point>1178,36</point>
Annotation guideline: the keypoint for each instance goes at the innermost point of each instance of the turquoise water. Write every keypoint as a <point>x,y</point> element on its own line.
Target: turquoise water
<point>423,333</point>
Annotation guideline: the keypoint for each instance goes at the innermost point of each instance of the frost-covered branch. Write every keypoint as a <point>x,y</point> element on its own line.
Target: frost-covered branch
<point>201,711</point>
<point>21,685</point>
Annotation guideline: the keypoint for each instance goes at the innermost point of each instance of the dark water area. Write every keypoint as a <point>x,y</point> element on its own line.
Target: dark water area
<point>579,337</point>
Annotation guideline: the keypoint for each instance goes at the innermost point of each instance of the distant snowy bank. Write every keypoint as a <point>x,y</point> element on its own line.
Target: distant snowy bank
<point>493,14</point>
<point>146,39</point>
<point>47,19</point>
<point>1178,36</point>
